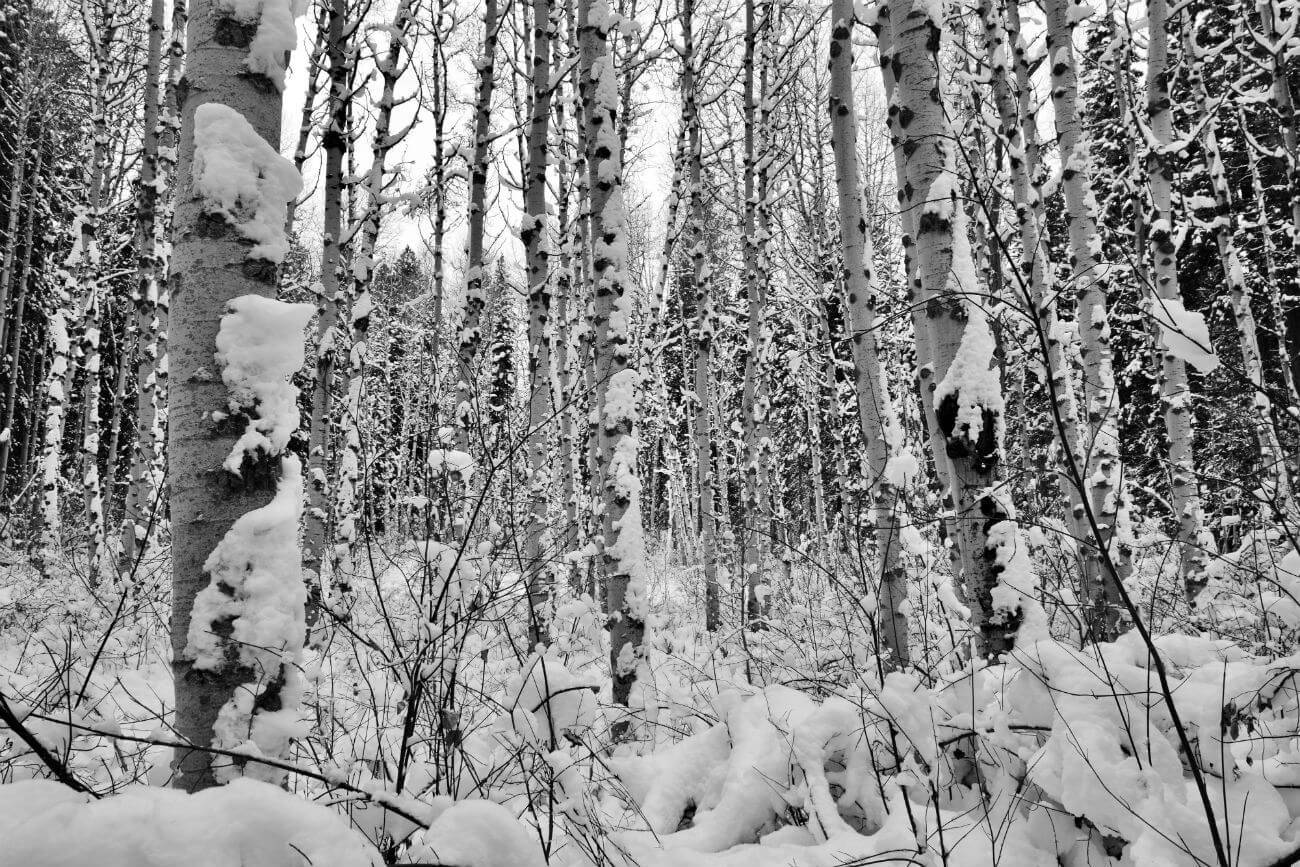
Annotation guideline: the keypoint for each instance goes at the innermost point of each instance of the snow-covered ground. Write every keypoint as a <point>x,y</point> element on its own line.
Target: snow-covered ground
<point>432,737</point>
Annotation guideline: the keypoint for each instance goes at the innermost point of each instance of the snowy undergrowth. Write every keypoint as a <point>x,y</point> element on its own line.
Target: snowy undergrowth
<point>781,747</point>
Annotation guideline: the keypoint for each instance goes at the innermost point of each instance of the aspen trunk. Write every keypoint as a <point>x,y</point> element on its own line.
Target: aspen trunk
<point>617,381</point>
<point>535,237</point>
<point>564,399</point>
<point>335,142</point>
<point>1175,390</point>
<point>968,404</point>
<point>11,350</point>
<point>352,468</point>
<point>471,334</point>
<point>14,211</point>
<point>695,285</point>
<point>755,399</point>
<point>1103,611</point>
<point>210,268</point>
<point>137,514</point>
<point>926,381</point>
<point>306,124</point>
<point>1272,462</point>
<point>876,413</point>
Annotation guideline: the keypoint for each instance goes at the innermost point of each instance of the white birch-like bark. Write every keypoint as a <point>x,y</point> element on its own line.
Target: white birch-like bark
<point>968,403</point>
<point>876,413</point>
<point>755,397</point>
<point>534,234</point>
<point>1090,275</point>
<point>926,381</point>
<point>1175,390</point>
<point>695,283</point>
<point>139,508</point>
<point>210,267</point>
<point>335,141</point>
<point>1272,462</point>
<point>12,348</point>
<point>616,379</point>
<point>471,332</point>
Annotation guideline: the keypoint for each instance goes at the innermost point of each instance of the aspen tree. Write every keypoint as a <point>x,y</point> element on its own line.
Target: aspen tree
<point>390,66</point>
<point>566,307</point>
<point>80,289</point>
<point>13,347</point>
<point>149,272</point>
<point>471,333</point>
<point>968,401</point>
<point>315,64</point>
<point>616,379</point>
<point>1165,299</point>
<point>884,28</point>
<point>1090,276</point>
<point>1277,40</point>
<point>1224,226</point>
<point>1018,134</point>
<point>17,173</point>
<point>755,399</point>
<point>1268,253</point>
<point>335,142</point>
<point>233,76</point>
<point>876,413</point>
<point>695,284</point>
<point>534,233</point>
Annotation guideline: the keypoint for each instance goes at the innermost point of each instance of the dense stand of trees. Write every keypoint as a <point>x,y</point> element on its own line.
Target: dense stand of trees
<point>981,301</point>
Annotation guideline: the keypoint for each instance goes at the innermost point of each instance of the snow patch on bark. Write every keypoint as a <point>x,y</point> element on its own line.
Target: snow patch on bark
<point>277,32</point>
<point>258,596</point>
<point>243,179</point>
<point>259,346</point>
<point>1184,333</point>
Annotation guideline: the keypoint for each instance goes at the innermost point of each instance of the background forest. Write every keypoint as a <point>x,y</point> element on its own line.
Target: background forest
<point>661,432</point>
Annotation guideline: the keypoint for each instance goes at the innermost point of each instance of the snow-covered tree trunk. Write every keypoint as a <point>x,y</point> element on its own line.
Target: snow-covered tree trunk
<point>13,210</point>
<point>968,402</point>
<point>755,397</point>
<point>876,413</point>
<point>695,284</point>
<point>237,598</point>
<point>534,233</point>
<point>391,66</point>
<point>1272,462</point>
<point>81,292</point>
<point>617,381</point>
<point>1033,277</point>
<point>1268,252</point>
<point>139,508</point>
<point>926,365</point>
<point>471,332</point>
<point>335,142</point>
<point>567,308</point>
<point>1166,305</point>
<point>1091,278</point>
<point>1279,40</point>
<point>13,346</point>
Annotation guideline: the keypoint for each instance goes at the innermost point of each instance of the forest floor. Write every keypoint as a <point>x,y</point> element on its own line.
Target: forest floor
<point>431,731</point>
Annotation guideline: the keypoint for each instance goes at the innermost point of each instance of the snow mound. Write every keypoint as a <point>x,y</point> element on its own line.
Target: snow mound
<point>477,833</point>
<point>243,824</point>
